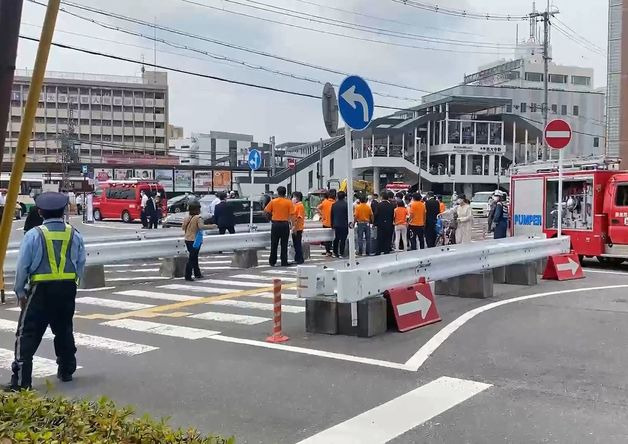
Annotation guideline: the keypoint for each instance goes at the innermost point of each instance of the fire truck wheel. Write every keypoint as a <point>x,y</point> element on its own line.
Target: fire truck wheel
<point>612,261</point>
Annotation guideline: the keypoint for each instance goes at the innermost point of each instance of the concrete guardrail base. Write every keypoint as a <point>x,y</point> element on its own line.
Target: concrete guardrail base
<point>448,287</point>
<point>244,258</point>
<point>477,285</point>
<point>173,267</point>
<point>499,275</point>
<point>372,320</point>
<point>93,277</point>
<point>522,274</point>
<point>321,316</point>
<point>541,264</point>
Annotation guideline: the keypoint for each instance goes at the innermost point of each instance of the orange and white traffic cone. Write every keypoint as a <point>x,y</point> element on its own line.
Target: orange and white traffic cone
<point>277,336</point>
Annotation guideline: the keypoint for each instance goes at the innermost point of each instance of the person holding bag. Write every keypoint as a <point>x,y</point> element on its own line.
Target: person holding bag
<point>193,226</point>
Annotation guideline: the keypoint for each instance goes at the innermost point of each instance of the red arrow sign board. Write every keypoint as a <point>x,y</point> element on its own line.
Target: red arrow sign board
<point>563,267</point>
<point>558,134</point>
<point>413,306</point>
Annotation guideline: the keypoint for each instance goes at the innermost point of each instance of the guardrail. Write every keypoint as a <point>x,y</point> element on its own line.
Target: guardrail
<point>374,275</point>
<point>101,253</point>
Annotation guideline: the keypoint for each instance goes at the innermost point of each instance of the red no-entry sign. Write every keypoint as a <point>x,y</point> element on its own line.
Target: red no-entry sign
<point>558,134</point>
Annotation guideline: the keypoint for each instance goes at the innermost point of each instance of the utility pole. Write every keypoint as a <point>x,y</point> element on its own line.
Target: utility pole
<point>10,15</point>
<point>273,163</point>
<point>545,16</point>
<point>321,180</point>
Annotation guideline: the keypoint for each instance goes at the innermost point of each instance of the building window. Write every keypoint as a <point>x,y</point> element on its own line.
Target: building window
<point>533,107</point>
<point>581,80</point>
<point>576,110</point>
<point>524,107</point>
<point>534,76</point>
<point>509,108</point>
<point>331,167</point>
<point>554,109</point>
<point>557,78</point>
<point>596,142</point>
<point>310,179</point>
<point>563,110</point>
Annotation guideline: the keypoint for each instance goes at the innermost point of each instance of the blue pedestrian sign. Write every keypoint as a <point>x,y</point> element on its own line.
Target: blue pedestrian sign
<point>84,169</point>
<point>255,160</point>
<point>355,101</point>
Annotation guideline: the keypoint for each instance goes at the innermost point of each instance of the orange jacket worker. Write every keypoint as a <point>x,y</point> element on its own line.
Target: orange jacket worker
<point>281,211</point>
<point>417,222</point>
<point>298,225</point>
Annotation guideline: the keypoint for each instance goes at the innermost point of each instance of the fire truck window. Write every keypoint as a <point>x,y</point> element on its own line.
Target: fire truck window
<point>576,204</point>
<point>622,196</point>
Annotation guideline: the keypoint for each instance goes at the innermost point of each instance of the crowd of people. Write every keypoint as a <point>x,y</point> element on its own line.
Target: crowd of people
<point>152,209</point>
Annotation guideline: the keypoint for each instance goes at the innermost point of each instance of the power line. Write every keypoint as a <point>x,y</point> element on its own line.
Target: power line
<point>462,12</point>
<point>359,27</point>
<point>579,36</point>
<point>336,34</point>
<point>226,44</point>
<point>384,19</point>
<point>217,56</point>
<point>192,73</point>
<point>579,40</point>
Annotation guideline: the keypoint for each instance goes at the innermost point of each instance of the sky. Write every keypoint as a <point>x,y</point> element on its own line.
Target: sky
<point>203,105</point>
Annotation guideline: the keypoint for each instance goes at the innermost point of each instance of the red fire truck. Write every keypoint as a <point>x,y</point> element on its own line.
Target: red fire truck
<point>594,206</point>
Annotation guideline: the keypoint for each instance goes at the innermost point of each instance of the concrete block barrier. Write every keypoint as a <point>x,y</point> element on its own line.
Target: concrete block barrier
<point>371,313</point>
<point>448,287</point>
<point>522,274</point>
<point>541,264</point>
<point>499,275</point>
<point>321,316</point>
<point>244,258</point>
<point>173,267</point>
<point>93,277</point>
<point>477,285</point>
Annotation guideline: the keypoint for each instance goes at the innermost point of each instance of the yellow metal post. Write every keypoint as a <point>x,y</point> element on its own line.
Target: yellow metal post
<point>27,124</point>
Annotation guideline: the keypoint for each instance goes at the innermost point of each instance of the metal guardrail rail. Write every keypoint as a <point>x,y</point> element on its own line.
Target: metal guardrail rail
<point>375,275</point>
<point>107,252</point>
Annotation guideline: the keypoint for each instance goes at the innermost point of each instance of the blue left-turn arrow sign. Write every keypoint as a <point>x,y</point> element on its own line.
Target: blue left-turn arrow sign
<point>355,102</point>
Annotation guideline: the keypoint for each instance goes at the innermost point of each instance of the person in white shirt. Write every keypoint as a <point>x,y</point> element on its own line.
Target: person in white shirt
<point>2,199</point>
<point>143,215</point>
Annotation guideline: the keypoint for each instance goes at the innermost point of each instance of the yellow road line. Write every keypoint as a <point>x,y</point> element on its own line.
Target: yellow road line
<point>160,309</point>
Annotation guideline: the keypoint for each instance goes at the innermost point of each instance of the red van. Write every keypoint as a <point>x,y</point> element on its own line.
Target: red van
<point>121,199</point>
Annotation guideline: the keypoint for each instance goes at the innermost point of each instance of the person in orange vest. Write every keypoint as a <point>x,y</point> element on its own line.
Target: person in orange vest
<point>281,212</point>
<point>417,222</point>
<point>298,224</point>
<point>363,215</point>
<point>324,209</point>
<point>401,226</point>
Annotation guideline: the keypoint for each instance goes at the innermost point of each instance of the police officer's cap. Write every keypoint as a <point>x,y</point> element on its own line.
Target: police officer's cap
<point>51,201</point>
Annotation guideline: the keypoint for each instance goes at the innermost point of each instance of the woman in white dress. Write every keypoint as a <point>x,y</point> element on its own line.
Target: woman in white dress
<point>464,219</point>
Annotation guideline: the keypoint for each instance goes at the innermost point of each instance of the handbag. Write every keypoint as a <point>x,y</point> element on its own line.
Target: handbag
<point>198,240</point>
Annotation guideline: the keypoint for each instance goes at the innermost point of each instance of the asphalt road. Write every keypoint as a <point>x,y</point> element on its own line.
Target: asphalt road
<point>550,368</point>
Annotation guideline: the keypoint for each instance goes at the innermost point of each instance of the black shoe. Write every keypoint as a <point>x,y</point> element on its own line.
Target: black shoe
<point>13,388</point>
<point>64,377</point>
<point>200,276</point>
<point>189,279</point>
<point>287,264</point>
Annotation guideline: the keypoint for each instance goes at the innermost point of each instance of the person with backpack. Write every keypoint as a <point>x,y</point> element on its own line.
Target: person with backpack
<point>193,226</point>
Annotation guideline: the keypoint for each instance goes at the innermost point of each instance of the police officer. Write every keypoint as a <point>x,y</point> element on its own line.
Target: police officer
<point>49,265</point>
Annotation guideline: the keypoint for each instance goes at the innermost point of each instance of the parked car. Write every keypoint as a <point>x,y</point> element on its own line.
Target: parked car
<point>121,199</point>
<point>241,211</point>
<point>178,204</point>
<point>481,203</point>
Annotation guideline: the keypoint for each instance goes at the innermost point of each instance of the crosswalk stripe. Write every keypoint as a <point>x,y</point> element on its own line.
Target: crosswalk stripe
<point>284,296</point>
<point>176,331</point>
<point>151,264</point>
<point>214,262</point>
<point>219,268</point>
<point>111,303</point>
<point>259,306</point>
<point>137,278</point>
<point>280,272</point>
<point>230,317</point>
<point>157,295</point>
<point>198,288</point>
<point>236,284</point>
<point>139,270</point>
<point>92,342</point>
<point>42,367</point>
<point>264,278</point>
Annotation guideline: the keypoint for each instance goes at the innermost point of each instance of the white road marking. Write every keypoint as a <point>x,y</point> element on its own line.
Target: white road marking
<point>176,331</point>
<point>111,303</point>
<point>281,272</point>
<point>138,278</point>
<point>258,306</point>
<point>157,295</point>
<point>229,317</point>
<point>393,418</point>
<point>593,270</point>
<point>264,278</point>
<point>138,270</point>
<point>218,268</point>
<point>92,342</point>
<point>151,264</point>
<point>198,288</point>
<point>284,296</point>
<point>88,290</point>
<point>236,284</point>
<point>311,352</point>
<point>419,358</point>
<point>42,367</point>
<point>214,262</point>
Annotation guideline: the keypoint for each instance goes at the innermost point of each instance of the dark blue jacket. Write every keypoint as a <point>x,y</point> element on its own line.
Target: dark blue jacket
<point>223,215</point>
<point>339,214</point>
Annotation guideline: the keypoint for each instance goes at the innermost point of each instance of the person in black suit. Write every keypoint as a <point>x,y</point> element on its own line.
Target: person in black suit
<point>223,216</point>
<point>151,211</point>
<point>340,224</point>
<point>432,210</point>
<point>384,221</point>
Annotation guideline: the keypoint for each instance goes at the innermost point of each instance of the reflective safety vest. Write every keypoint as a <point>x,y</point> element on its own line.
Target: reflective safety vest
<point>56,244</point>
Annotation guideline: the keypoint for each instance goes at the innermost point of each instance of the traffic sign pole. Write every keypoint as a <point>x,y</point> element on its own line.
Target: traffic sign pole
<point>350,195</point>
<point>255,162</point>
<point>560,193</point>
<point>252,187</point>
<point>558,135</point>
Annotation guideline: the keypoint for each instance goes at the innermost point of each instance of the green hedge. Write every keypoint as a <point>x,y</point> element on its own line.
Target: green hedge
<point>28,417</point>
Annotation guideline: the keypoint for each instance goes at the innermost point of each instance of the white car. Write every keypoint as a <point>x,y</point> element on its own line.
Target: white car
<point>481,203</point>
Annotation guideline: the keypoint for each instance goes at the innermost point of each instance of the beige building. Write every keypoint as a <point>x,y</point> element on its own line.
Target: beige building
<point>115,119</point>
